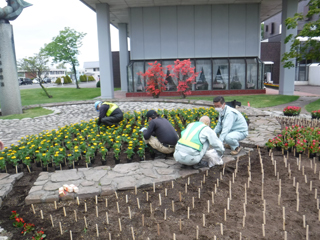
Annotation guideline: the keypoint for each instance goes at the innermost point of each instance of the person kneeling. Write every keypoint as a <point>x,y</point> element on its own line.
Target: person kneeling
<point>109,113</point>
<point>160,135</point>
<point>194,143</point>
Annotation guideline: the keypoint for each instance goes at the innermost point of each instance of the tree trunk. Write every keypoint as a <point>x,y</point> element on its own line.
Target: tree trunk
<point>75,75</point>
<point>44,89</point>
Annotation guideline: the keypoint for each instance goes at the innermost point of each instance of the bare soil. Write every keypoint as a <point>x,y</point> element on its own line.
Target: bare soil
<point>157,227</point>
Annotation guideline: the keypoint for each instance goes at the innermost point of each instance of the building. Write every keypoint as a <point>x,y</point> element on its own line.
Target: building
<point>270,46</point>
<point>221,40</point>
<point>53,74</point>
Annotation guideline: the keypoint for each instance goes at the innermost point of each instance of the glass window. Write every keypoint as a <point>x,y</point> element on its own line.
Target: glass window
<point>137,68</point>
<point>237,74</point>
<point>130,78</point>
<point>171,82</point>
<point>252,73</point>
<point>220,74</point>
<point>203,81</point>
<point>260,76</point>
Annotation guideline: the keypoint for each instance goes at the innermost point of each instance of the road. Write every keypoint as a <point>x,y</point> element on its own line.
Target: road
<point>53,85</point>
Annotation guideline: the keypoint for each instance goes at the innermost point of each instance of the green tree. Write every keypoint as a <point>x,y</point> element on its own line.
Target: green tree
<point>64,48</point>
<point>36,66</point>
<point>61,66</point>
<point>309,49</point>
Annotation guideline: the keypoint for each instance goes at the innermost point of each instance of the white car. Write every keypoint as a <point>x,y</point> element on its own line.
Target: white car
<point>36,80</point>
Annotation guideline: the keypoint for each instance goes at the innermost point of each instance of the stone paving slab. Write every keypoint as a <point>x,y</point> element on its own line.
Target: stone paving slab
<point>6,183</point>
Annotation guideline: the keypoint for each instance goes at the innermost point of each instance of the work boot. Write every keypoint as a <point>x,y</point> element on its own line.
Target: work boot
<point>236,151</point>
<point>201,164</point>
<point>159,155</point>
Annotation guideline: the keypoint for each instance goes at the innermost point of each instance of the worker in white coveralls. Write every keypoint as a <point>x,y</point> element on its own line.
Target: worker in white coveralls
<point>194,142</point>
<point>232,125</point>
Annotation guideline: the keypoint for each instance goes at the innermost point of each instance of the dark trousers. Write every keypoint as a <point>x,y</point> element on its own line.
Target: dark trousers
<point>113,119</point>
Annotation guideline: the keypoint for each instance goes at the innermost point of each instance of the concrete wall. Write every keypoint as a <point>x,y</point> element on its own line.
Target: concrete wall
<point>195,31</point>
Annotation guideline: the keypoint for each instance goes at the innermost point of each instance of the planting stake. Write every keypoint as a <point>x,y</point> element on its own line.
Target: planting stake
<point>172,206</point>
<point>87,165</point>
<point>228,203</point>
<point>109,236</point>
<point>310,186</point>
<point>244,210</point>
<point>120,228</point>
<point>188,212</point>
<point>204,179</point>
<point>212,197</point>
<point>304,221</point>
<point>85,207</point>
<point>263,231</point>
<point>188,180</point>
<point>192,202</point>
<point>199,193</point>
<point>64,211</point>
<point>277,176</point>
<point>150,207</point>
<point>116,194</point>
<point>96,198</point>
<point>232,177</point>
<point>316,193</point>
<point>174,236</point>
<point>264,217</point>
<point>60,228</point>
<point>78,201</point>
<point>197,233</point>
<point>297,202</point>
<point>118,209</point>
<point>34,212</point>
<point>85,222</point>
<point>245,193</point>
<point>307,233</point>
<point>230,190</point>
<point>106,202</point>
<point>70,235</point>
<point>135,190</point>
<point>319,215</point>
<point>51,220</point>
<point>159,199</point>
<point>264,205</point>
<point>221,176</point>
<point>107,218</point>
<point>217,182</point>
<point>207,173</point>
<point>142,219</point>
<point>158,227</point>
<point>305,179</point>
<point>248,182</point>
<point>280,187</point>
<point>311,164</point>
<point>165,192</point>
<point>221,228</point>
<point>132,233</point>
<point>297,188</point>
<point>204,220</point>
<point>180,225</point>
<point>138,203</point>
<point>284,224</point>
<point>172,184</point>
<point>243,221</point>
<point>215,188</point>
<point>180,196</point>
<point>165,214</point>
<point>208,203</point>
<point>224,166</point>
<point>75,215</point>
<point>147,196</point>
<point>129,212</point>
<point>97,212</point>
<point>97,229</point>
<point>275,168</point>
<point>28,169</point>
<point>315,168</point>
<point>41,214</point>
<point>302,170</point>
<point>55,205</point>
<point>262,197</point>
<point>240,238</point>
<point>225,214</point>
<point>283,212</point>
<point>126,198</point>
<point>16,169</point>
<point>201,184</point>
<point>294,181</point>
<point>186,188</point>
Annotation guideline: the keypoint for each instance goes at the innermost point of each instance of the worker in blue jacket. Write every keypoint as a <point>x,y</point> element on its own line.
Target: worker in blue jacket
<point>232,126</point>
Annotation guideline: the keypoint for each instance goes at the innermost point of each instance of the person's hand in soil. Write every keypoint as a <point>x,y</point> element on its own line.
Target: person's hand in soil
<point>1,145</point>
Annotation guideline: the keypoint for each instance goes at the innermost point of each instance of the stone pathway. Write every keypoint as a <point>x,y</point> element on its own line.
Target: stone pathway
<point>6,183</point>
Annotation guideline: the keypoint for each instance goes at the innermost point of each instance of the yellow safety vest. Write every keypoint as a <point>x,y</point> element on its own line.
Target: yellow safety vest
<point>112,107</point>
<point>190,136</point>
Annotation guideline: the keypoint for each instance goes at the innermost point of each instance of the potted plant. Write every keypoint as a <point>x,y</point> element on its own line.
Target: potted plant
<point>315,114</point>
<point>300,146</point>
<point>116,152</point>
<point>129,153</point>
<point>3,167</point>
<point>291,111</point>
<point>27,163</point>
<point>313,148</point>
<point>104,153</point>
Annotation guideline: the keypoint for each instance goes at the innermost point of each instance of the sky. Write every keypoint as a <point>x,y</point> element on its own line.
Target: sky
<point>39,23</point>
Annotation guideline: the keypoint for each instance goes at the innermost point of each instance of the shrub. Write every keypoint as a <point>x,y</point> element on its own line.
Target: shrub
<point>83,78</point>
<point>235,85</point>
<point>91,79</point>
<point>98,84</point>
<point>67,79</point>
<point>58,81</point>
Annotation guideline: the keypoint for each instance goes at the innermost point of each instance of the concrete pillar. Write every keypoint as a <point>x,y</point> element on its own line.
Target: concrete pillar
<point>124,55</point>
<point>287,76</point>
<point>9,88</point>
<point>105,55</point>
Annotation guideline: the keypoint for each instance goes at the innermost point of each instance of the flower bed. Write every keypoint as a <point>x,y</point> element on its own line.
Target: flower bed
<point>291,111</point>
<point>83,142</point>
<point>300,139</point>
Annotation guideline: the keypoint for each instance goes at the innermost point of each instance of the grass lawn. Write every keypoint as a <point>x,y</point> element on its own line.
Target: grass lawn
<point>29,113</point>
<point>313,106</point>
<point>257,101</point>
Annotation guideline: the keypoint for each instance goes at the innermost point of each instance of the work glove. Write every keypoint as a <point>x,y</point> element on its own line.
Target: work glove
<point>142,129</point>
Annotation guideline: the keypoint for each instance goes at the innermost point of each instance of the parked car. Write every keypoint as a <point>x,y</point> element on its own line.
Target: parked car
<point>25,81</point>
<point>47,80</point>
<point>36,80</point>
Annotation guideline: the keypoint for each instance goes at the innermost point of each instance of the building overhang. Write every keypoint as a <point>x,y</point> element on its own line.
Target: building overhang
<point>119,9</point>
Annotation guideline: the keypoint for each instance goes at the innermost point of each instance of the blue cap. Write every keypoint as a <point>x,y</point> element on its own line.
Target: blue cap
<point>96,104</point>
